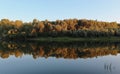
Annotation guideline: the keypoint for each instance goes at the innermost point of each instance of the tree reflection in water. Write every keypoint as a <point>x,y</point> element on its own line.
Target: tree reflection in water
<point>60,50</point>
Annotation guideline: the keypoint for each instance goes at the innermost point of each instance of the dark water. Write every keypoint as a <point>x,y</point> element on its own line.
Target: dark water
<point>59,58</point>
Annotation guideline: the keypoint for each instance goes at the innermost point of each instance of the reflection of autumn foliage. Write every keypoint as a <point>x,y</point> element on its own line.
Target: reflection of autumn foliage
<point>71,52</point>
<point>75,53</point>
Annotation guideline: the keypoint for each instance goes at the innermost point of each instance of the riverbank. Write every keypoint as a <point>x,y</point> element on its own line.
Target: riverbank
<point>72,39</point>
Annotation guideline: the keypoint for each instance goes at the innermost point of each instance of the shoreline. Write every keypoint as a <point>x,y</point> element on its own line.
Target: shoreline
<point>72,39</point>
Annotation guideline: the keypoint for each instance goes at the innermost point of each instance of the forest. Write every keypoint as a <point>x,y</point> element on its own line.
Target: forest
<point>60,28</point>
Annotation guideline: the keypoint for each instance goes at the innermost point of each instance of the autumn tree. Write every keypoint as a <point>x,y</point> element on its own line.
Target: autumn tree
<point>18,24</point>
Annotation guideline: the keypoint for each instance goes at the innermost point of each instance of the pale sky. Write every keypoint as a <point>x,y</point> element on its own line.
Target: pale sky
<point>27,10</point>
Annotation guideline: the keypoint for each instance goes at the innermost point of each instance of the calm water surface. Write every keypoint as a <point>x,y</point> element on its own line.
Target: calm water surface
<point>59,59</point>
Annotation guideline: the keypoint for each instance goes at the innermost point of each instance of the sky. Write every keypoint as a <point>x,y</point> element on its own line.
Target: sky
<point>27,10</point>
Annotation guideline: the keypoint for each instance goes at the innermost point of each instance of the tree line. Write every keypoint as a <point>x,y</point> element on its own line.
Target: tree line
<point>58,28</point>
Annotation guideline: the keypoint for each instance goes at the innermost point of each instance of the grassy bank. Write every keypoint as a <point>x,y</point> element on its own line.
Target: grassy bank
<point>71,39</point>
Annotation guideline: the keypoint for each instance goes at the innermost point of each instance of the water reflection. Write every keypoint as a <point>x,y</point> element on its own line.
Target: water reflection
<point>74,58</point>
<point>109,67</point>
<point>59,50</point>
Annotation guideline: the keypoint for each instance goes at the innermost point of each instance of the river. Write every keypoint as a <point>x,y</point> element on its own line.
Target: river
<point>59,58</point>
